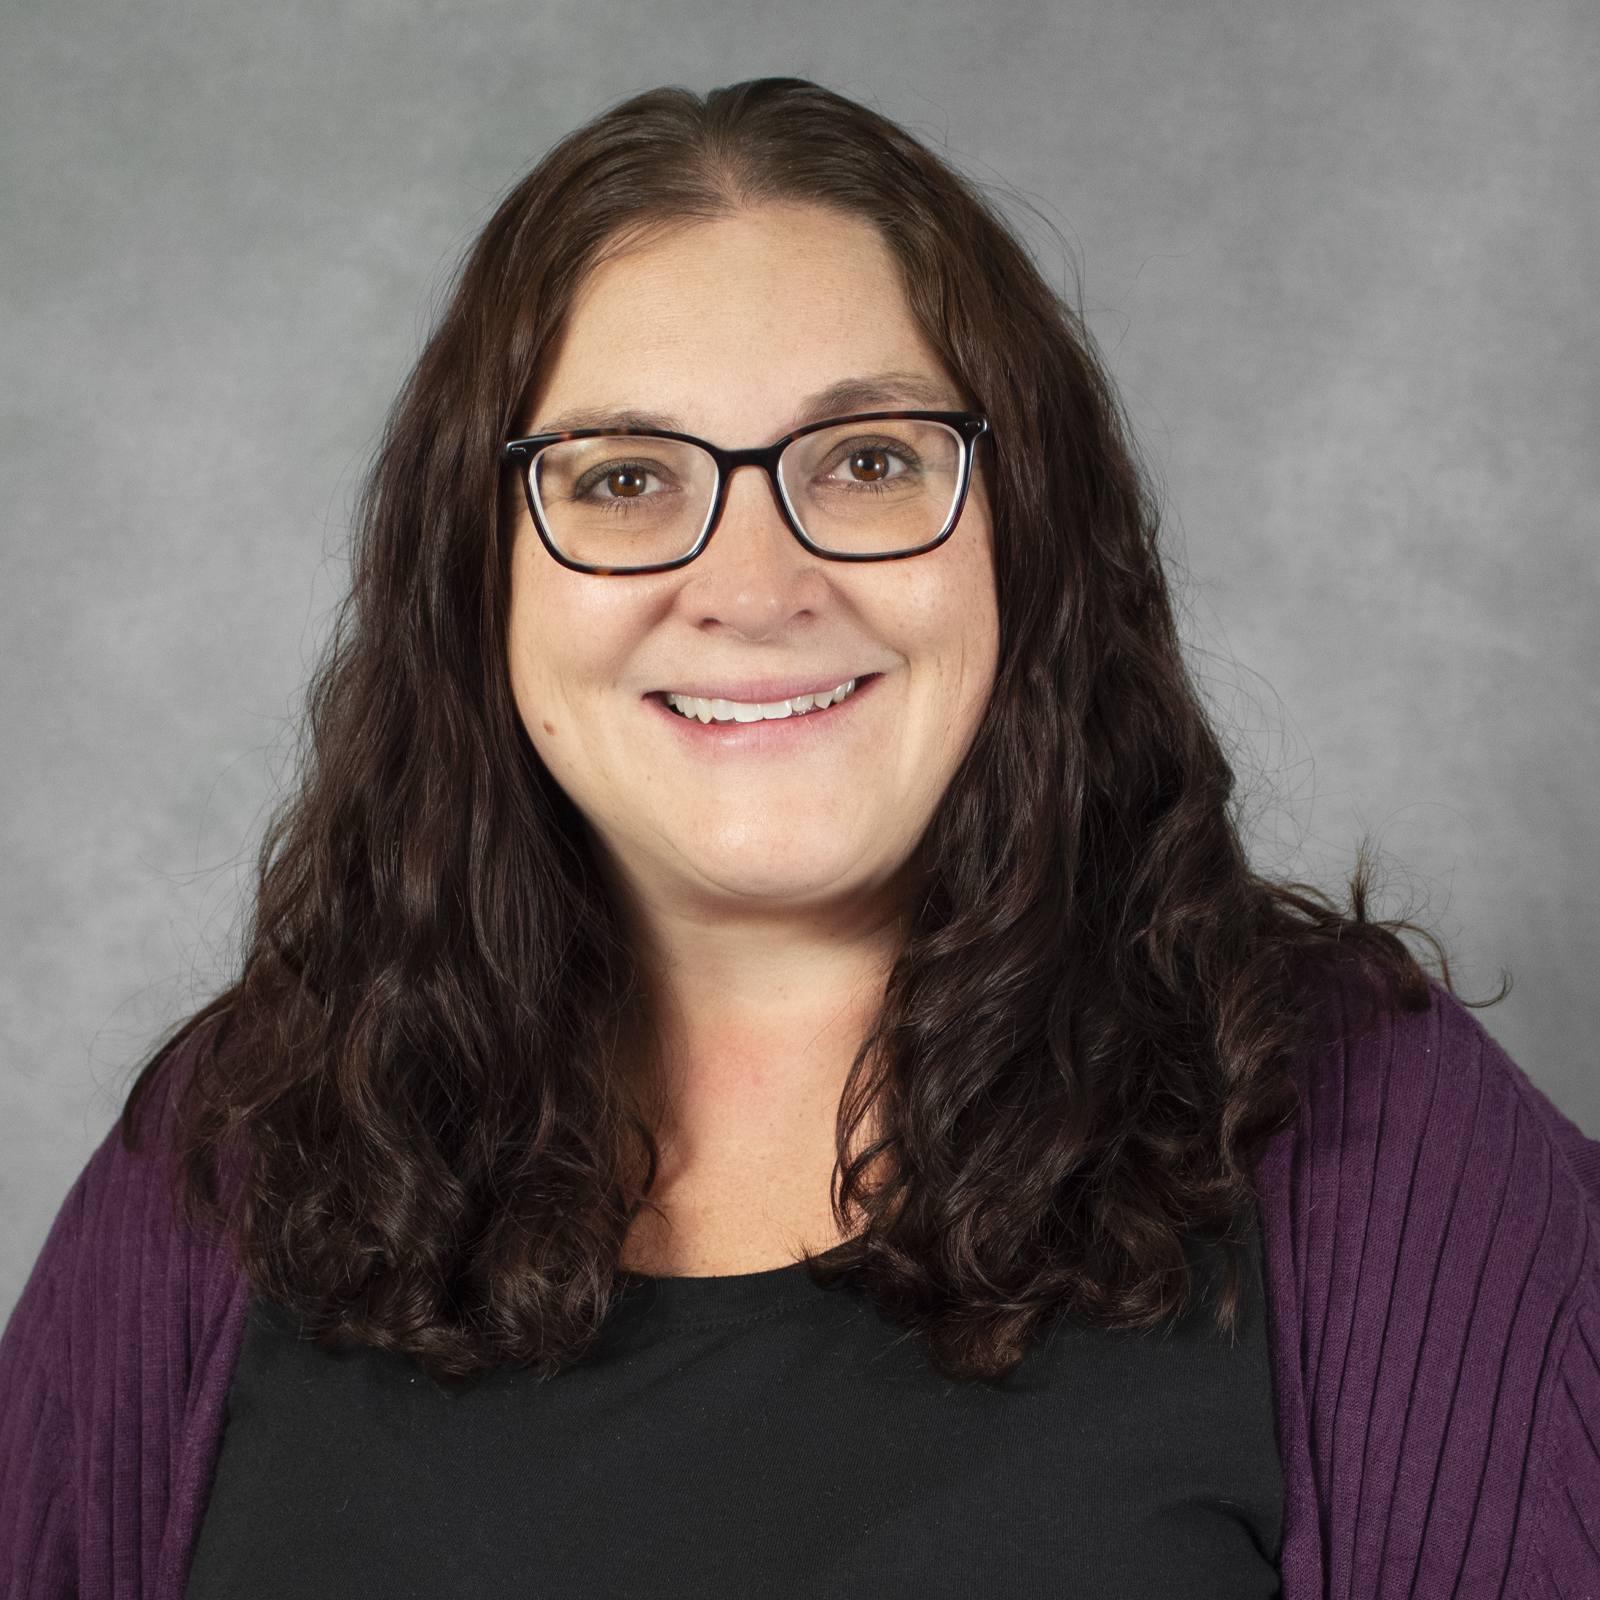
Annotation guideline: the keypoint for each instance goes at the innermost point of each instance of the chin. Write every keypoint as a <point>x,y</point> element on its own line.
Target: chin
<point>820,867</point>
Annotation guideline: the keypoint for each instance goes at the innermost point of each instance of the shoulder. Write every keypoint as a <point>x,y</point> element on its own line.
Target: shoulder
<point>1424,1156</point>
<point>1427,1092</point>
<point>114,1367</point>
<point>123,1246</point>
<point>1432,1233</point>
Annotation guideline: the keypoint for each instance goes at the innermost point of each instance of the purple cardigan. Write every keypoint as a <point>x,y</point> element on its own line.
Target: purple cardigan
<point>1431,1235</point>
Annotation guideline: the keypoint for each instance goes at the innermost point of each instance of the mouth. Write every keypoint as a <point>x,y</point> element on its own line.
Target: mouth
<point>698,708</point>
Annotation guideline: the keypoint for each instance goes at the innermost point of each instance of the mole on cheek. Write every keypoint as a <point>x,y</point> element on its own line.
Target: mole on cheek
<point>549,727</point>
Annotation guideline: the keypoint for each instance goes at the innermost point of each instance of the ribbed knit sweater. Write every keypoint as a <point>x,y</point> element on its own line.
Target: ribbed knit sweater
<point>1431,1237</point>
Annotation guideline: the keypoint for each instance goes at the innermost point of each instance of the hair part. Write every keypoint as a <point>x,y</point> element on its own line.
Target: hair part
<point>418,1087</point>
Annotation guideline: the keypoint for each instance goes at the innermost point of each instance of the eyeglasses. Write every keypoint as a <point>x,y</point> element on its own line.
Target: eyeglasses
<point>877,486</point>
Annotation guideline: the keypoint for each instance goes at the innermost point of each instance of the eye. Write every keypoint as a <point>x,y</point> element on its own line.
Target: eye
<point>626,482</point>
<point>868,463</point>
<point>868,466</point>
<point>610,481</point>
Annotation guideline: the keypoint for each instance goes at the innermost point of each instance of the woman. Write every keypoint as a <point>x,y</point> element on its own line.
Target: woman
<point>761,1066</point>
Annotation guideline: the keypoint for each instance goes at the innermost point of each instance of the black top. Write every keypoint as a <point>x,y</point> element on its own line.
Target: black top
<point>752,1436</point>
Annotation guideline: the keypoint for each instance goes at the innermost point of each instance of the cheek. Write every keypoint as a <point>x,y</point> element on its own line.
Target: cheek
<point>570,640</point>
<point>551,652</point>
<point>549,674</point>
<point>961,627</point>
<point>528,653</point>
<point>554,644</point>
<point>971,673</point>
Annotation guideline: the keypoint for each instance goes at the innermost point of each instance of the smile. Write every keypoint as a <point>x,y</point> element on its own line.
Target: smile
<point>697,709</point>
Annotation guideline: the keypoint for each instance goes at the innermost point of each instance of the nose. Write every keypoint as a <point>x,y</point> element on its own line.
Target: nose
<point>754,577</point>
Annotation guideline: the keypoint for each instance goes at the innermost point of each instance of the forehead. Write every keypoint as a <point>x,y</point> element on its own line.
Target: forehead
<point>739,323</point>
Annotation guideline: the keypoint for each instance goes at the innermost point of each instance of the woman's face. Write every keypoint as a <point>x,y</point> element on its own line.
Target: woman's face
<point>737,331</point>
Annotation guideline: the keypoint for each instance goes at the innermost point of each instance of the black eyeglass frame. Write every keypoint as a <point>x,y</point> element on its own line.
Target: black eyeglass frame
<point>968,426</point>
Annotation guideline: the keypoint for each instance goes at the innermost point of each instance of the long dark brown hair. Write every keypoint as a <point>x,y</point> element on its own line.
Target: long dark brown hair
<point>416,1083</point>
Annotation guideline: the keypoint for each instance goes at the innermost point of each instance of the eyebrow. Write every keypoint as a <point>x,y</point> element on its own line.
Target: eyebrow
<point>883,391</point>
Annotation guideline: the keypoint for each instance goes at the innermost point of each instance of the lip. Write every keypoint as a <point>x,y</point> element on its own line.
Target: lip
<point>763,735</point>
<point>760,691</point>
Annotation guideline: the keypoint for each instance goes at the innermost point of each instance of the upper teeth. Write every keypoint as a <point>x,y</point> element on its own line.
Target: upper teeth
<point>692,705</point>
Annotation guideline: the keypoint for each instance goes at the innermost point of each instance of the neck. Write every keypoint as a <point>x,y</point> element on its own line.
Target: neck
<point>761,1013</point>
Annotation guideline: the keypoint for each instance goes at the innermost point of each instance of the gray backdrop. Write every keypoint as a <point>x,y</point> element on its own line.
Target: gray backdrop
<point>1342,258</point>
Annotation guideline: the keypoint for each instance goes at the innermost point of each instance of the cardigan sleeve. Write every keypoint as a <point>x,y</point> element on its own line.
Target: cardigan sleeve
<point>114,1373</point>
<point>1432,1235</point>
<point>37,1508</point>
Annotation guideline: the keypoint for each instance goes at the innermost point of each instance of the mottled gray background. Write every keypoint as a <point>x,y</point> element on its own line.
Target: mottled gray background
<point>1342,257</point>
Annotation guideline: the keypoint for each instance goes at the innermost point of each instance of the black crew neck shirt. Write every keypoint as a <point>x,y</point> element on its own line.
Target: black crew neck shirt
<point>753,1436</point>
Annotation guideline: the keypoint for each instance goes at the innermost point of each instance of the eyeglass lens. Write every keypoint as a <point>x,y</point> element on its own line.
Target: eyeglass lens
<point>862,488</point>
